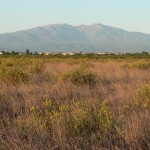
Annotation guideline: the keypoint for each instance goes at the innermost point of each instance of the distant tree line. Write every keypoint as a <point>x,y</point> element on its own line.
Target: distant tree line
<point>79,55</point>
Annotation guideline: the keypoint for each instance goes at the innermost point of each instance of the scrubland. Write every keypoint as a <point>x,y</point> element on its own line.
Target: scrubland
<point>87,104</point>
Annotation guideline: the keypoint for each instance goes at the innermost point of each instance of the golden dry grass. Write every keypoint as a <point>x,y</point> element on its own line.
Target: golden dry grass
<point>48,112</point>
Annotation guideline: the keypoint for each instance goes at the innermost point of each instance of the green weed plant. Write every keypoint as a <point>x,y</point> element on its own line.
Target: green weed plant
<point>80,76</point>
<point>143,96</point>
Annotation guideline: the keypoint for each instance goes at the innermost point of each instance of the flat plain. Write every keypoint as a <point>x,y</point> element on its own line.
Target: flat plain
<point>68,103</point>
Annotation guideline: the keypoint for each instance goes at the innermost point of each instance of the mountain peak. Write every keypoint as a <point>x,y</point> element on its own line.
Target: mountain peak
<point>65,37</point>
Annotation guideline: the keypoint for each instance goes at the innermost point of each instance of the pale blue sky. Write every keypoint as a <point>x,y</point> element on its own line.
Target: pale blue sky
<point>132,15</point>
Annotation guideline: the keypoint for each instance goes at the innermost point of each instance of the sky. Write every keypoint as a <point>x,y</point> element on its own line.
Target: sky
<point>131,15</point>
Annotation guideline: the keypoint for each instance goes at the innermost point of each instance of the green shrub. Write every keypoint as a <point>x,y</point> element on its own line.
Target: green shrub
<point>138,65</point>
<point>13,75</point>
<point>9,64</point>
<point>91,119</point>
<point>80,76</point>
<point>37,67</point>
<point>142,66</point>
<point>143,96</point>
<point>79,119</point>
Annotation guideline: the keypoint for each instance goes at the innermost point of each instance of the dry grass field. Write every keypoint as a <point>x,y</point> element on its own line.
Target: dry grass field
<point>74,104</point>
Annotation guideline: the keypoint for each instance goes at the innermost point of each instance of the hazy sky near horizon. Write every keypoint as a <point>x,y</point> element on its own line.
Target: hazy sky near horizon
<point>131,15</point>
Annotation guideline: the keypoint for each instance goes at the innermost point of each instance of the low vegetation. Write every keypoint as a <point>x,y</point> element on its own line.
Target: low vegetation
<point>137,65</point>
<point>143,96</point>
<point>13,75</point>
<point>80,76</point>
<point>74,103</point>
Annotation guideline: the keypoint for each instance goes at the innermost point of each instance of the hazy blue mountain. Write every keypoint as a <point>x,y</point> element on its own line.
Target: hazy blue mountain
<point>65,37</point>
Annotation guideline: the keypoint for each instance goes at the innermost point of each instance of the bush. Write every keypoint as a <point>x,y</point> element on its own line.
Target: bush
<point>142,66</point>
<point>80,76</point>
<point>76,120</point>
<point>91,119</point>
<point>13,75</point>
<point>138,65</point>
<point>37,67</point>
<point>143,96</point>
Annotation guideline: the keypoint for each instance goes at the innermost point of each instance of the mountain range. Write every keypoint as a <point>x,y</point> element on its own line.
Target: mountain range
<point>65,37</point>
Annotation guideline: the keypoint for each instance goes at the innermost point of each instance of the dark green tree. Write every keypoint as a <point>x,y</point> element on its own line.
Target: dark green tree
<point>27,52</point>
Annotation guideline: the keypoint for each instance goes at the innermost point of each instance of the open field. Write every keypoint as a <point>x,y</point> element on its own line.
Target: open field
<point>74,103</point>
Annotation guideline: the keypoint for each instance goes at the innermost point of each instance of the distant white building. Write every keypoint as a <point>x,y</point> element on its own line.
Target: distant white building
<point>99,53</point>
<point>72,53</point>
<point>1,52</point>
<point>68,53</point>
<point>47,53</point>
<point>22,53</point>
